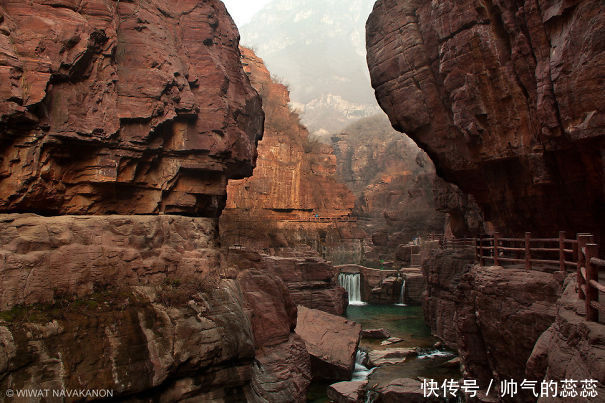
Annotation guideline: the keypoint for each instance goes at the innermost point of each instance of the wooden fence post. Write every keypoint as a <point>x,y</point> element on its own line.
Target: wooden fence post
<point>592,294</point>
<point>583,239</point>
<point>562,253</point>
<point>496,237</point>
<point>528,250</point>
<point>477,253</point>
<point>481,250</point>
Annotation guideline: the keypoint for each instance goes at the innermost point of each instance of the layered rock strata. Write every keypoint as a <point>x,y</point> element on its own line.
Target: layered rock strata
<point>294,196</point>
<point>121,107</point>
<point>492,315</point>
<point>134,303</point>
<point>311,281</point>
<point>571,348</point>
<point>505,97</point>
<point>392,180</point>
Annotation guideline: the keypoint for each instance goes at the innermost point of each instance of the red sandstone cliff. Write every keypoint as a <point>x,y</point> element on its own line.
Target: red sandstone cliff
<point>295,175</point>
<point>505,97</point>
<point>294,180</point>
<point>129,115</point>
<point>122,107</point>
<point>392,180</point>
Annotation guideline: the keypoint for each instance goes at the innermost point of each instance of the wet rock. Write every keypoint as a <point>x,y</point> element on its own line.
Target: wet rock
<point>390,356</point>
<point>332,342</point>
<point>375,334</point>
<point>453,363</point>
<point>110,109</point>
<point>347,392</point>
<point>391,340</point>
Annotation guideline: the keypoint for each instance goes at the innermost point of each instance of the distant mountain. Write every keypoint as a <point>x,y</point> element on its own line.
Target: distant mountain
<point>318,49</point>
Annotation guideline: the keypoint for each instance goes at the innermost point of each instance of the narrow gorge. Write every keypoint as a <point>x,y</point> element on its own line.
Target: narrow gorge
<point>201,201</point>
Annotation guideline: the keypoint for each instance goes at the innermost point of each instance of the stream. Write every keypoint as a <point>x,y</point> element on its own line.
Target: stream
<point>406,322</point>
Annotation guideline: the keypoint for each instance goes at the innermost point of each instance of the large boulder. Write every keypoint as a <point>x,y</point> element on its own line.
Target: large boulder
<point>310,280</point>
<point>403,390</point>
<point>347,392</point>
<point>332,342</point>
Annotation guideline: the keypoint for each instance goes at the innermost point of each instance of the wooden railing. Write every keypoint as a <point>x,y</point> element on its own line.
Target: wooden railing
<point>580,254</point>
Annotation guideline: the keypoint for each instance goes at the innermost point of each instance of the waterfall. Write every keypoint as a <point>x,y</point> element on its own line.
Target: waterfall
<point>352,283</point>
<point>361,372</point>
<point>402,293</point>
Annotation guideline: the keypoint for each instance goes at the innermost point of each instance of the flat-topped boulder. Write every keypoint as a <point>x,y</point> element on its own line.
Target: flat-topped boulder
<point>375,334</point>
<point>347,392</point>
<point>332,342</point>
<point>390,356</point>
<point>403,390</point>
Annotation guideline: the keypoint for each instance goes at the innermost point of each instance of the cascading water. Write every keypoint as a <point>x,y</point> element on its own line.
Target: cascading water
<point>352,283</point>
<point>361,372</point>
<point>402,293</point>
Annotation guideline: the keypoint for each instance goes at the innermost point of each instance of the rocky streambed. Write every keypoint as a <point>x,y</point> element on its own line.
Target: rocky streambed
<point>395,351</point>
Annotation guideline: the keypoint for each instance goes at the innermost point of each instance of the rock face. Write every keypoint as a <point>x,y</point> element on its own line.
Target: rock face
<point>311,281</point>
<point>294,196</point>
<point>122,108</point>
<point>44,258</point>
<point>403,390</point>
<point>131,342</point>
<point>155,304</point>
<point>332,342</point>
<point>571,348</point>
<point>493,315</point>
<point>392,180</point>
<point>505,97</point>
<point>283,368</point>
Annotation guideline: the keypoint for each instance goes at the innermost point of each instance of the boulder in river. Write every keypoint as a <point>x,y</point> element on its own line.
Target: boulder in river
<point>331,341</point>
<point>375,333</point>
<point>347,392</point>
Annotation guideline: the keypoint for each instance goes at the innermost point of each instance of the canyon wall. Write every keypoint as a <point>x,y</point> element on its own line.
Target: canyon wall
<point>505,97</point>
<point>294,196</point>
<point>121,123</point>
<point>392,180</point>
<point>493,315</point>
<point>122,108</point>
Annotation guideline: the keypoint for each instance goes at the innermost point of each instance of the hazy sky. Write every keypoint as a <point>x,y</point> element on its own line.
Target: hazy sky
<point>243,10</point>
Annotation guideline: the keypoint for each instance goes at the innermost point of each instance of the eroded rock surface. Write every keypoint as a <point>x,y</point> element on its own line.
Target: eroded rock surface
<point>294,196</point>
<point>493,315</point>
<point>331,341</point>
<point>121,107</point>
<point>43,258</point>
<point>311,281</point>
<point>505,97</point>
<point>571,348</point>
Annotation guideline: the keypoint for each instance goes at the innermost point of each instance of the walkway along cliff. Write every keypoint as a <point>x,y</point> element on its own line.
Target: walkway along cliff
<point>505,99</point>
